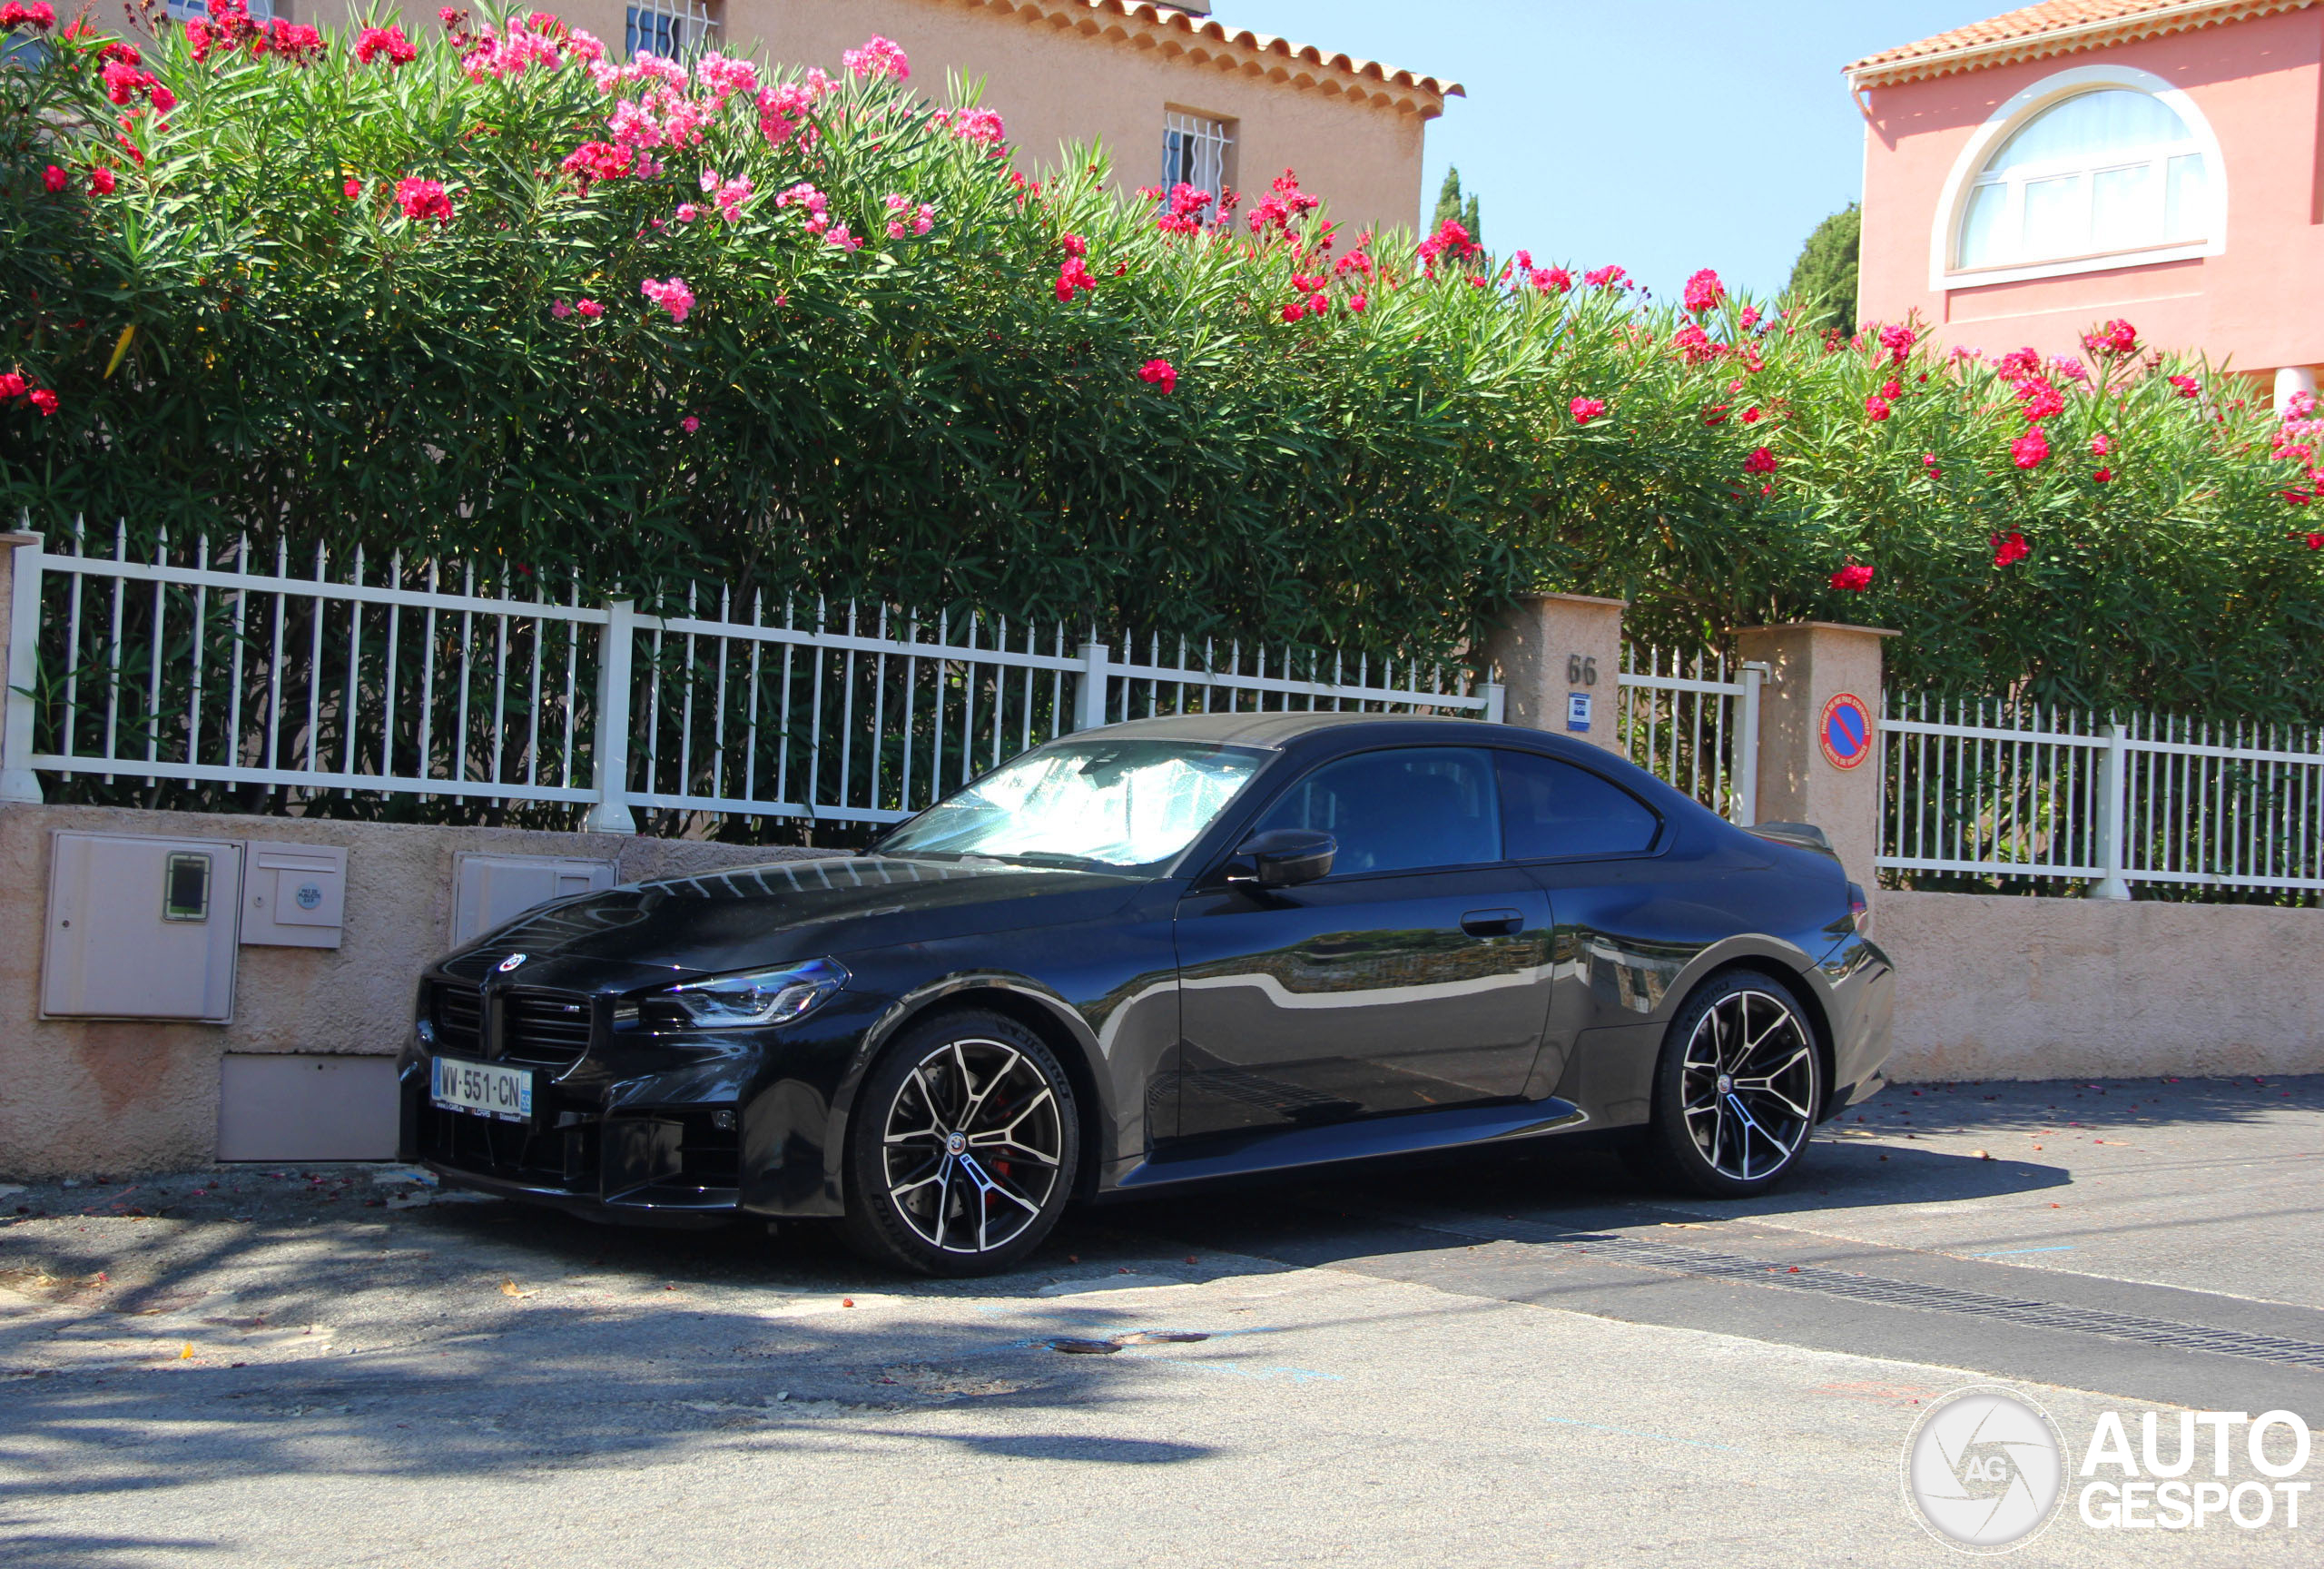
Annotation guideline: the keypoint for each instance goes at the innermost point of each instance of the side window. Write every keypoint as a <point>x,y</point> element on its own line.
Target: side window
<point>1395,811</point>
<point>1549,808</point>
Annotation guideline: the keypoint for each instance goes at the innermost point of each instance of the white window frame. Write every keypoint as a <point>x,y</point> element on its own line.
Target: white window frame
<point>1944,237</point>
<point>690,20</point>
<point>1211,140</point>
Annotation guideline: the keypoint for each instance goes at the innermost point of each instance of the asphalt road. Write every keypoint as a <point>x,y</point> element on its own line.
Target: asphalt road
<point>1495,1360</point>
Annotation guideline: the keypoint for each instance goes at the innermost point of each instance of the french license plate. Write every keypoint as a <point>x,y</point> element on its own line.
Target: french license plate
<point>485,1088</point>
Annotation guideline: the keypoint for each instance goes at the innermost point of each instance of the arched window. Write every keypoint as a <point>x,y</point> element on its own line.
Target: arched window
<point>2104,171</point>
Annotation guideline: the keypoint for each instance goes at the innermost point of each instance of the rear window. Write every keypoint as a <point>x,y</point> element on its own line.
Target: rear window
<point>1550,810</point>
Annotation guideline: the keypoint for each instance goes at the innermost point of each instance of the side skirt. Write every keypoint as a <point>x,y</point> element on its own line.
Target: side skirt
<point>1243,1154</point>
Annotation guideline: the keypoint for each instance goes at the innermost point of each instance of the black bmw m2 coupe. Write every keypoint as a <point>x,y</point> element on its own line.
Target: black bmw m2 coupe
<point>1159,954</point>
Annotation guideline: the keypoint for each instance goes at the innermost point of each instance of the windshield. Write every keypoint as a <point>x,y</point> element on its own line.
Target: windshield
<point>1096,803</point>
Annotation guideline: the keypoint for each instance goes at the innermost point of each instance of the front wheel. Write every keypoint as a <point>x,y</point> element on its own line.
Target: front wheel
<point>962,1148</point>
<point>1737,1087</point>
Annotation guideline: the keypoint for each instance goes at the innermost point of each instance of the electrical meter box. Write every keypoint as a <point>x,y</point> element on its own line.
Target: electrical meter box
<point>489,891</point>
<point>141,928</point>
<point>293,896</point>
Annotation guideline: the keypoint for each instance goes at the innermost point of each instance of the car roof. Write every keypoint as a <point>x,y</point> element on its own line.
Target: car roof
<point>1277,730</point>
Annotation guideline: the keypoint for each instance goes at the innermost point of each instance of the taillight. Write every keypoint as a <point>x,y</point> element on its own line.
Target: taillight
<point>1860,909</point>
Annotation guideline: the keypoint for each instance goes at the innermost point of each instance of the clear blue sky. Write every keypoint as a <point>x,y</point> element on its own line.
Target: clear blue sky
<point>1663,135</point>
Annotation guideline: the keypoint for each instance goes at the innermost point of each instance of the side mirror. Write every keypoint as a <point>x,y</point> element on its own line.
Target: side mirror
<point>1284,858</point>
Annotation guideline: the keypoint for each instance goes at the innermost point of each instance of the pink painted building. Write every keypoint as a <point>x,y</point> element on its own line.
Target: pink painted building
<point>2160,161</point>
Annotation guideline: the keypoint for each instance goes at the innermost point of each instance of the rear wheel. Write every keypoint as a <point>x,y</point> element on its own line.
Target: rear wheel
<point>963,1150</point>
<point>1737,1087</point>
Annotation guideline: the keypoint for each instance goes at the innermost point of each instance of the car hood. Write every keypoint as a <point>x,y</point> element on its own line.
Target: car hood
<point>750,916</point>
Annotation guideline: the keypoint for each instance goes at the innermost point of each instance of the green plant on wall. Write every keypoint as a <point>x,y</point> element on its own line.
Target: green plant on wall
<point>488,293</point>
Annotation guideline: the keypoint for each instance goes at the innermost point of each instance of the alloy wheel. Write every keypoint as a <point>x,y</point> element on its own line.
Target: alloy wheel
<point>1747,1084</point>
<point>972,1145</point>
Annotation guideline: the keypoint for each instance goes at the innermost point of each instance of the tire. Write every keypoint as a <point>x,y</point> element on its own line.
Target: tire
<point>962,1147</point>
<point>1735,1091</point>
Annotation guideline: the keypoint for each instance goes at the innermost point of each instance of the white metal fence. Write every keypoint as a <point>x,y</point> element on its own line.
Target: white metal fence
<point>1999,789</point>
<point>1693,723</point>
<point>264,673</point>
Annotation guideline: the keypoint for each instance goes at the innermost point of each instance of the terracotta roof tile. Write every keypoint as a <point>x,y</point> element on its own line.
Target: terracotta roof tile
<point>1174,19</point>
<point>2054,27</point>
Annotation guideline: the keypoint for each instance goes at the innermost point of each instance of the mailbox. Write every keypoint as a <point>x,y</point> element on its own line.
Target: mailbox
<point>141,928</point>
<point>293,896</point>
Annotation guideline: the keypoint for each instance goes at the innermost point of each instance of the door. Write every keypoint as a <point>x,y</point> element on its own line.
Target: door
<point>1413,977</point>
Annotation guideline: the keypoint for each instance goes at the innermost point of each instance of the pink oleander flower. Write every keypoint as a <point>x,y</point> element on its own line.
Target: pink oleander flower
<point>1751,415</point>
<point>2116,338</point>
<point>38,15</point>
<point>803,195</point>
<point>101,180</point>
<point>689,424</point>
<point>583,46</point>
<point>2100,445</point>
<point>1585,410</point>
<point>2187,386</point>
<point>2009,548</point>
<point>12,386</point>
<point>1356,305</point>
<point>560,309</point>
<point>423,200</point>
<point>352,189</point>
<point>597,161</point>
<point>1073,277</point>
<point>2042,401</point>
<point>878,57</point>
<point>43,400</point>
<point>1892,389</point>
<point>588,309</point>
<point>982,126</point>
<point>673,296</point>
<point>1158,373</point>
<point>2102,476</point>
<point>1761,461</point>
<point>1704,292</point>
<point>2028,450</point>
<point>1605,277</point>
<point>2300,405</point>
<point>840,237</point>
<point>688,212</point>
<point>1898,340</point>
<point>723,78</point>
<point>373,42</point>
<point>1750,318</point>
<point>54,180</point>
<point>1853,579</point>
<point>1877,408</point>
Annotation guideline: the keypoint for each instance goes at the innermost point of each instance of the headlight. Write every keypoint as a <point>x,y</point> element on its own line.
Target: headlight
<point>748,1000</point>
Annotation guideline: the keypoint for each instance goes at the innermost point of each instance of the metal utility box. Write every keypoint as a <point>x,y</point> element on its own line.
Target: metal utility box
<point>489,891</point>
<point>293,896</point>
<point>306,1107</point>
<point>141,928</point>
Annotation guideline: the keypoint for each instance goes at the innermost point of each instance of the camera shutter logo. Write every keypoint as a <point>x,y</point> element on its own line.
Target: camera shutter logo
<point>1983,1469</point>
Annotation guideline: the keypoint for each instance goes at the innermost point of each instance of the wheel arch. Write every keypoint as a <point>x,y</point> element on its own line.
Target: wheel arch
<point>1046,1016</point>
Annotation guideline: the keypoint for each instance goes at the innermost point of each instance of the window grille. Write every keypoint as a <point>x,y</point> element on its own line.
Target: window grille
<point>670,28</point>
<point>199,10</point>
<point>1194,152</point>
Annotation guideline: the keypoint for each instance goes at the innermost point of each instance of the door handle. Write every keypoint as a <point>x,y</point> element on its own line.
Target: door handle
<point>1493,922</point>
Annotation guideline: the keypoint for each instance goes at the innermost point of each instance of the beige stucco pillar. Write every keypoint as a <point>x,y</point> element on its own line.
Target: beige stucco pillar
<point>1819,716</point>
<point>1556,648</point>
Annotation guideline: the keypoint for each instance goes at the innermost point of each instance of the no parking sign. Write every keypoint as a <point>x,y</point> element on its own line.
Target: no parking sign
<point>1846,731</point>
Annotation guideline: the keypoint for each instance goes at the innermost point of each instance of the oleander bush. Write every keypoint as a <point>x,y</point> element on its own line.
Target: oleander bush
<point>489,294</point>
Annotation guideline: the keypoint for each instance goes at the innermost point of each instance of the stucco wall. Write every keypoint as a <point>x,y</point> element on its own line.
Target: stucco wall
<point>2256,82</point>
<point>90,1096</point>
<point>1058,76</point>
<point>1989,987</point>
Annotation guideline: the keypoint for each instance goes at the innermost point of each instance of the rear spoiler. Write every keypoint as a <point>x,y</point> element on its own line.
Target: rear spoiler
<point>1807,836</point>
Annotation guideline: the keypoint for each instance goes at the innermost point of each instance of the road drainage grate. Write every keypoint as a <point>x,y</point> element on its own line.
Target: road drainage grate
<point>1889,1293</point>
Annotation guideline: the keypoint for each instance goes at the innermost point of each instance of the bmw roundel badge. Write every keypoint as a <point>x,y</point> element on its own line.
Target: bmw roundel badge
<point>511,963</point>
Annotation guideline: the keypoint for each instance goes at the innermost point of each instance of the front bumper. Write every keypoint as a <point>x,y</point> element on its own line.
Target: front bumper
<point>648,1130</point>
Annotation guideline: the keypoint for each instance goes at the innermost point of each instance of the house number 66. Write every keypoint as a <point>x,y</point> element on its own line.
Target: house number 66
<point>1581,671</point>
